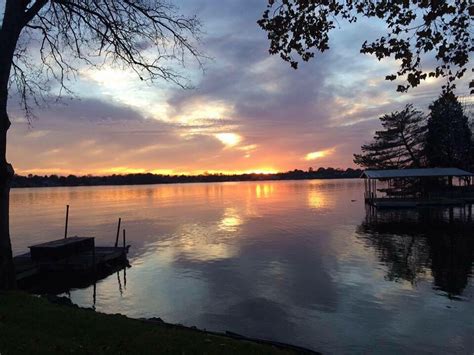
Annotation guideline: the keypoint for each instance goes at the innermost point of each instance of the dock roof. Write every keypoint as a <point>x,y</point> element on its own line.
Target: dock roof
<point>406,173</point>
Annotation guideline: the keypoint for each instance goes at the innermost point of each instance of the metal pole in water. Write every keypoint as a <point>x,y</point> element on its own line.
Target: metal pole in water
<point>124,240</point>
<point>118,232</point>
<point>67,220</point>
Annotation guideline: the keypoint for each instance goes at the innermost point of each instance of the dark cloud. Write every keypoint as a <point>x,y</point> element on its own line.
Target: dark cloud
<point>280,114</point>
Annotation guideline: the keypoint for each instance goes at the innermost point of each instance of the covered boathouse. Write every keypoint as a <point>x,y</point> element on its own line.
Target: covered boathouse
<point>418,187</point>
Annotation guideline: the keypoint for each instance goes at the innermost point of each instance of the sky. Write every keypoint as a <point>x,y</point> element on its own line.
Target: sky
<point>247,111</point>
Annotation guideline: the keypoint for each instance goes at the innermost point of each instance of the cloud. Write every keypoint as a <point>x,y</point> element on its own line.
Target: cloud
<point>319,154</point>
<point>248,110</point>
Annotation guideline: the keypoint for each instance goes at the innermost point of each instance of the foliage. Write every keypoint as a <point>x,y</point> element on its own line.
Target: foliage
<point>415,28</point>
<point>399,144</point>
<point>449,139</point>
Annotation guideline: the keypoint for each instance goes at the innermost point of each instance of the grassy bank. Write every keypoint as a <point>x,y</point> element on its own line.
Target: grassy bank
<point>32,325</point>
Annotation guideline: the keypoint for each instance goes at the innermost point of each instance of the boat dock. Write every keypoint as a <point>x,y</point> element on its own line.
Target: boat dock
<point>413,188</point>
<point>74,255</point>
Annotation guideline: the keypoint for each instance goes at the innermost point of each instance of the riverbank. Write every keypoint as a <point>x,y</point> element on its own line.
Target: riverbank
<point>33,325</point>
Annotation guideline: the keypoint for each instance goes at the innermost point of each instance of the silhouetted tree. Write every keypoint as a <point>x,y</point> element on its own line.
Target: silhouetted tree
<point>398,145</point>
<point>143,35</point>
<point>441,28</point>
<point>449,140</point>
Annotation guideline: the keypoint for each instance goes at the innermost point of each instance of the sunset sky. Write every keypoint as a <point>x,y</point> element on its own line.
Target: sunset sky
<point>248,111</point>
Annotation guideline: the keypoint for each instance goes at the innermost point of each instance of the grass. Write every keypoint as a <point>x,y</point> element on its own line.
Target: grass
<point>32,325</point>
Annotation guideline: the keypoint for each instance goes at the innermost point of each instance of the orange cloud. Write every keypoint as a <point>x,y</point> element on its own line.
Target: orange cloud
<point>319,154</point>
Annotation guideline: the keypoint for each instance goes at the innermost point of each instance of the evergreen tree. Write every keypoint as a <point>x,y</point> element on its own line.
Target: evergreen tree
<point>399,145</point>
<point>449,138</point>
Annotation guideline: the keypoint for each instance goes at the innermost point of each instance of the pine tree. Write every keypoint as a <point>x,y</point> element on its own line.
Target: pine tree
<point>399,145</point>
<point>449,138</point>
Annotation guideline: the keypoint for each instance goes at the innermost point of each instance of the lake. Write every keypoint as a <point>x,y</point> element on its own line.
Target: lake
<point>295,261</point>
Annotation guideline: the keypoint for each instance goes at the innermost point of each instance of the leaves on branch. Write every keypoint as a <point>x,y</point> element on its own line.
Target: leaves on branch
<point>297,28</point>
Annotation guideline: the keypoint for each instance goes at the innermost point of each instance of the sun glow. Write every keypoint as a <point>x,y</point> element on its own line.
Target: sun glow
<point>261,171</point>
<point>163,171</point>
<point>229,139</point>
<point>123,170</point>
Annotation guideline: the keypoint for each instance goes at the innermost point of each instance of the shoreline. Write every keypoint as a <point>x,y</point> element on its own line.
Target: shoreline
<point>64,301</point>
<point>52,324</point>
<point>185,182</point>
<point>152,179</point>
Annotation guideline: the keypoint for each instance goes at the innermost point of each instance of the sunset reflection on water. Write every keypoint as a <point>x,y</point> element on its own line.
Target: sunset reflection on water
<point>294,261</point>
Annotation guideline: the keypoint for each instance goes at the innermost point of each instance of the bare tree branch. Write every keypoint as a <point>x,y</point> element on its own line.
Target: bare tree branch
<point>148,37</point>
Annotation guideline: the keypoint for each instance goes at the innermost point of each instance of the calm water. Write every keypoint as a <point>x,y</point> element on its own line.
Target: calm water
<point>298,262</point>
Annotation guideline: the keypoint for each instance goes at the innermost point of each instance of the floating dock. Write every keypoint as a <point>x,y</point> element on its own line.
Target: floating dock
<point>74,255</point>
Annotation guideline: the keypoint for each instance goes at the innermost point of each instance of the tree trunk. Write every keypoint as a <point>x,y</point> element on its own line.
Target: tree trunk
<point>9,33</point>
<point>7,271</point>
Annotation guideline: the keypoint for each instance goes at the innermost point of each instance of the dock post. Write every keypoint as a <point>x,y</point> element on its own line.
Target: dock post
<point>67,220</point>
<point>124,241</point>
<point>94,266</point>
<point>118,232</point>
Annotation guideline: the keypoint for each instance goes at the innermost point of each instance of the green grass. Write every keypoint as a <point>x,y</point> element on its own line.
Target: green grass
<point>32,325</point>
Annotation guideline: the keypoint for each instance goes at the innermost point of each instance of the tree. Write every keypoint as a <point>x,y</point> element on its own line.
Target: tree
<point>47,38</point>
<point>398,145</point>
<point>449,138</point>
<point>415,28</point>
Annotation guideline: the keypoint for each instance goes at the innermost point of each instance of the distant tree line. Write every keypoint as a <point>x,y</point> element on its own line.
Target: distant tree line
<point>145,179</point>
<point>411,139</point>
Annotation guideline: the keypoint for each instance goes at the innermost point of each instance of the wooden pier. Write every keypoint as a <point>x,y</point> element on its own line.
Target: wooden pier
<point>74,255</point>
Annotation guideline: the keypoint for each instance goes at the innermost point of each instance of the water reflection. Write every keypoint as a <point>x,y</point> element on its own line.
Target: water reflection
<point>200,243</point>
<point>121,284</point>
<point>59,282</point>
<point>264,190</point>
<point>414,243</point>
<point>231,220</point>
<point>295,261</point>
